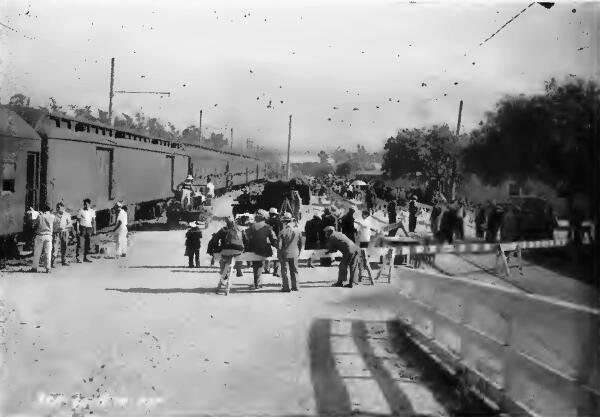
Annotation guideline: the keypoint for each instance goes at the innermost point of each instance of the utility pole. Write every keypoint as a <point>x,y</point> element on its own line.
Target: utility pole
<point>232,138</point>
<point>460,107</point>
<point>112,92</point>
<point>200,129</point>
<point>112,85</point>
<point>454,165</point>
<point>288,152</point>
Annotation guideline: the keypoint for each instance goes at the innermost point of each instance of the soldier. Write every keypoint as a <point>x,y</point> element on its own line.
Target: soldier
<point>290,246</point>
<point>336,241</point>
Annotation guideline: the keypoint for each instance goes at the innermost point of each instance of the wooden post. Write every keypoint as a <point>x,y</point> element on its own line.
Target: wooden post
<point>200,129</point>
<point>232,138</point>
<point>111,93</point>
<point>288,150</point>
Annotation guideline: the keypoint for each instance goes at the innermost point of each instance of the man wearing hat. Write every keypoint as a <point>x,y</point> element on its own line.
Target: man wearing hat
<point>290,246</point>
<point>276,225</point>
<point>259,239</point>
<point>187,189</point>
<point>336,241</point>
<point>120,230</point>
<point>412,214</point>
<point>192,244</point>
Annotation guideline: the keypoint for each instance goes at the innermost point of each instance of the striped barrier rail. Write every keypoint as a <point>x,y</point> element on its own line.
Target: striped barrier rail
<point>530,355</point>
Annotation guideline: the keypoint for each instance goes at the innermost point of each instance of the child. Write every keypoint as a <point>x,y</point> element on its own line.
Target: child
<point>212,248</point>
<point>192,244</point>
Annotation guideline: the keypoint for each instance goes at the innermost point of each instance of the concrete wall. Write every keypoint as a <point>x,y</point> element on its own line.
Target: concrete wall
<point>530,354</point>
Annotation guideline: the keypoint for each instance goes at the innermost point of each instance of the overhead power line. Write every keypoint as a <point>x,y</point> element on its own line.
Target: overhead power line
<point>507,23</point>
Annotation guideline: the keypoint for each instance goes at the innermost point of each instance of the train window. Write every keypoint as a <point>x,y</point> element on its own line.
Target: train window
<point>79,127</point>
<point>57,121</point>
<point>103,132</point>
<point>9,174</point>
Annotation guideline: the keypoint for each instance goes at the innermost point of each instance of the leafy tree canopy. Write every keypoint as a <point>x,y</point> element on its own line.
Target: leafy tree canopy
<point>545,137</point>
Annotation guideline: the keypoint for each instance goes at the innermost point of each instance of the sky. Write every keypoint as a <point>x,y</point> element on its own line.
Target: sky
<point>371,66</point>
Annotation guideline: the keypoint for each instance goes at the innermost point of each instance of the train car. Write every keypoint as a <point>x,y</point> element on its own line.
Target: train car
<point>75,159</point>
<point>218,163</point>
<point>20,147</point>
<point>49,158</point>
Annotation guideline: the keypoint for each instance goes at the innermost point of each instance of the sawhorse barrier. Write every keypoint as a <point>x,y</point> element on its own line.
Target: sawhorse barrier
<point>504,251</point>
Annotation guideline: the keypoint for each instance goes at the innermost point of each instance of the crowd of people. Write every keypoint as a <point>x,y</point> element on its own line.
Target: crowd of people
<point>54,231</point>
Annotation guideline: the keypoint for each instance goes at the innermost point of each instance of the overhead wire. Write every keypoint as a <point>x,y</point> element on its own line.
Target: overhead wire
<point>507,23</point>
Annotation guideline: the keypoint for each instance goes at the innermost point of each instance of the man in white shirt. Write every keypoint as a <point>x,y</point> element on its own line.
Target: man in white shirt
<point>44,224</point>
<point>121,231</point>
<point>365,229</point>
<point>210,188</point>
<point>62,227</point>
<point>87,228</point>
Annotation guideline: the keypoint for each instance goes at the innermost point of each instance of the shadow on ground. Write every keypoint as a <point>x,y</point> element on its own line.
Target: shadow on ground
<point>332,397</point>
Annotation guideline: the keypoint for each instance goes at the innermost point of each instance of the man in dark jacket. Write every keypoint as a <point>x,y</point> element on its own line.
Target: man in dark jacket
<point>495,214</point>
<point>480,221</point>
<point>276,225</point>
<point>327,220</point>
<point>290,246</point>
<point>391,209</point>
<point>337,241</point>
<point>260,238</point>
<point>347,223</point>
<point>412,214</point>
<point>192,244</point>
<point>313,230</point>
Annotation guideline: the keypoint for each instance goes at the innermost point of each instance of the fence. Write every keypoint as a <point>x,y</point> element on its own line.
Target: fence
<point>528,354</point>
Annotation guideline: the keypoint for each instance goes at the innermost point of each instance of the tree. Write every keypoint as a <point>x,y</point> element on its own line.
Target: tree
<point>19,99</point>
<point>323,157</point>
<point>545,137</point>
<point>343,169</point>
<point>430,151</point>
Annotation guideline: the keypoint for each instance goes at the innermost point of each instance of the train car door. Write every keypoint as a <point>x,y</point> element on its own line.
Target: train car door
<point>32,186</point>
<point>104,158</point>
<point>172,163</point>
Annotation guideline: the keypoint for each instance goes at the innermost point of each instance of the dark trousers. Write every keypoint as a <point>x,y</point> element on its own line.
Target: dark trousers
<point>60,240</point>
<point>275,267</point>
<point>460,228</point>
<point>257,268</point>
<point>479,232</point>
<point>412,223</point>
<point>193,254</point>
<point>292,265</point>
<point>351,262</point>
<point>85,235</point>
<point>392,218</point>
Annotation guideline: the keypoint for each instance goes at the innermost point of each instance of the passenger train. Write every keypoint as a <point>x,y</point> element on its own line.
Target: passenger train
<point>51,158</point>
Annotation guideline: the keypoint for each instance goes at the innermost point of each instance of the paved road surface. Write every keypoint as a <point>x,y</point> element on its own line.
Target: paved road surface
<point>146,327</point>
<point>144,335</point>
